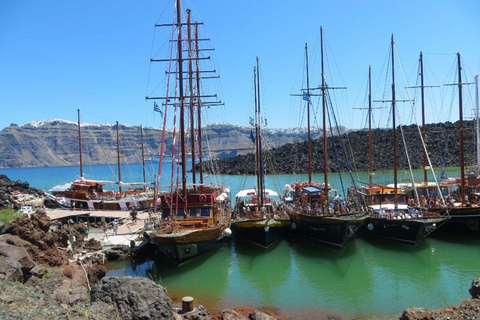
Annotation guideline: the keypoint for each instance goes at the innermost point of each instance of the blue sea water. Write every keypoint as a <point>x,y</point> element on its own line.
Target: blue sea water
<point>368,278</point>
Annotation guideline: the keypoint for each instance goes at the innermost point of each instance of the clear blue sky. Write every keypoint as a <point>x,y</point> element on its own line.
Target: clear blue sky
<point>57,56</point>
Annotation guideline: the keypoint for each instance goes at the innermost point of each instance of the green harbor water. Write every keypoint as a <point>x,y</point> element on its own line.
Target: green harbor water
<point>370,278</point>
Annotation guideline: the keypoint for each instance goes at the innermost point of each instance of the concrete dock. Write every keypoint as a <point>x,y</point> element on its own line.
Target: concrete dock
<point>127,231</point>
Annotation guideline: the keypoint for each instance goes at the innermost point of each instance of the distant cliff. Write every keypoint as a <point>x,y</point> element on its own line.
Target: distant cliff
<point>55,142</point>
<point>442,141</point>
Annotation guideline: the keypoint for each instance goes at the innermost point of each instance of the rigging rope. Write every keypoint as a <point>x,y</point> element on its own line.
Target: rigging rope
<point>414,115</point>
<point>342,144</point>
<point>162,144</point>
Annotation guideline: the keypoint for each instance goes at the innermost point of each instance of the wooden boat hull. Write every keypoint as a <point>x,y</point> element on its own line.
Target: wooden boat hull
<point>263,233</point>
<point>463,220</point>
<point>409,231</point>
<point>331,230</point>
<point>180,247</point>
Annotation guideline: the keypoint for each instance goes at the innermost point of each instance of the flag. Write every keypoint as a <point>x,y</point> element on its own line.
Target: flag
<point>306,97</point>
<point>444,175</point>
<point>252,137</point>
<point>157,108</point>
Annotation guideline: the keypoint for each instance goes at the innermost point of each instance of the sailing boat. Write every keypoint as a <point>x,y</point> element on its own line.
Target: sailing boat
<point>195,218</point>
<point>465,216</point>
<point>89,194</point>
<point>392,220</point>
<point>258,217</point>
<point>317,211</point>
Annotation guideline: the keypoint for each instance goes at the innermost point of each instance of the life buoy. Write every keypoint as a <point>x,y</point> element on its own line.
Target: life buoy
<point>202,198</point>
<point>323,197</point>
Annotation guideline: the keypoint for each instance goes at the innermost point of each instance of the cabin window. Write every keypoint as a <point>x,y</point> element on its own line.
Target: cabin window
<point>205,212</point>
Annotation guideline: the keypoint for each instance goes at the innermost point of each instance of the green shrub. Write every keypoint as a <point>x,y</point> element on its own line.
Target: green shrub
<point>8,215</point>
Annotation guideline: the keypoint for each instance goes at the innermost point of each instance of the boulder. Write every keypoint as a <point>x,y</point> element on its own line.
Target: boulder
<point>230,314</point>
<point>198,313</point>
<point>475,289</point>
<point>70,293</point>
<point>470,309</point>
<point>18,254</point>
<point>10,270</point>
<point>3,227</point>
<point>39,242</point>
<point>14,241</point>
<point>38,271</point>
<point>117,253</point>
<point>258,315</point>
<point>134,298</point>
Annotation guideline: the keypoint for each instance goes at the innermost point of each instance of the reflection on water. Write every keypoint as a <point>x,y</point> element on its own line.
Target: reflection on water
<point>367,278</point>
<point>265,271</point>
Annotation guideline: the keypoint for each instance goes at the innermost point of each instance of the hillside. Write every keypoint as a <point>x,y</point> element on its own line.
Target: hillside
<point>442,144</point>
<point>55,142</point>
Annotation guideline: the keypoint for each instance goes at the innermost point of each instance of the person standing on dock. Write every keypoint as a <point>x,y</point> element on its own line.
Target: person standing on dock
<point>115,226</point>
<point>86,231</point>
<point>105,230</point>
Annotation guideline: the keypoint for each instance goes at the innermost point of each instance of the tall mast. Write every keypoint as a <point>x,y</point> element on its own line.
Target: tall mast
<point>424,129</point>
<point>118,162</point>
<point>181,99</point>
<point>462,158</point>
<point>259,138</point>
<point>191,106</point>
<point>324,108</point>
<point>80,144</point>
<point>478,124</point>
<point>395,196</point>
<point>370,151</point>
<point>143,159</point>
<point>255,123</point>
<point>309,138</point>
<point>199,108</point>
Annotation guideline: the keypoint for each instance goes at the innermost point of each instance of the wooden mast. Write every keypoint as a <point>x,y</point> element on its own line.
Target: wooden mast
<point>118,162</point>
<point>324,108</point>
<point>478,123</point>
<point>143,159</point>
<point>191,106</point>
<point>424,128</point>
<point>462,156</point>
<point>80,144</point>
<point>181,100</point>
<point>395,182</point>
<point>258,138</point>
<point>309,137</point>
<point>255,123</point>
<point>370,151</point>
<point>199,108</point>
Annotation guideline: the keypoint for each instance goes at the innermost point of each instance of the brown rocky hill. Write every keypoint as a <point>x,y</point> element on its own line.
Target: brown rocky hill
<point>442,141</point>
<point>55,142</point>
